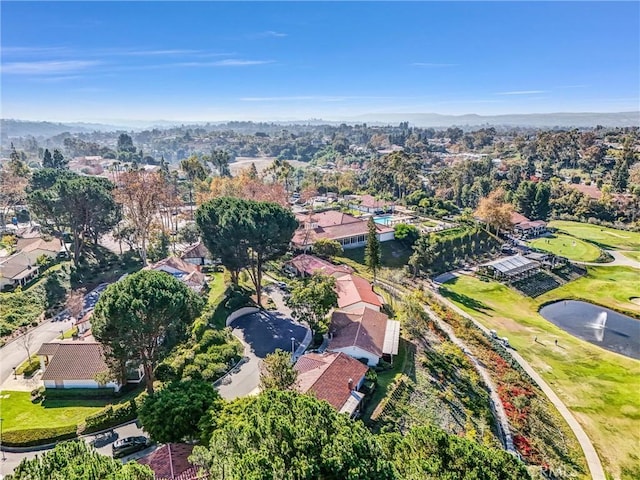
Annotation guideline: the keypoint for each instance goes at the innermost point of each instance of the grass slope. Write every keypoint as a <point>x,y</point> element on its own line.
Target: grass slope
<point>19,412</point>
<point>598,386</point>
<point>604,237</point>
<point>567,246</point>
<point>633,255</point>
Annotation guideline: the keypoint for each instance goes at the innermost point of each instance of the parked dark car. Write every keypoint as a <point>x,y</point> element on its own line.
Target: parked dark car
<point>129,445</point>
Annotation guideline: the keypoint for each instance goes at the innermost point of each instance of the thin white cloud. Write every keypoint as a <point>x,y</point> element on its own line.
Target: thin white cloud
<point>318,98</point>
<point>295,98</point>
<point>56,79</point>
<point>53,67</point>
<point>523,92</point>
<point>230,62</point>
<point>9,50</point>
<point>270,33</point>
<point>161,52</point>
<point>573,86</point>
<point>433,65</point>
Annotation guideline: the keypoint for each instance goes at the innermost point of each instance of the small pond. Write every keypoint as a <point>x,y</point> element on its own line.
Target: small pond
<point>598,325</point>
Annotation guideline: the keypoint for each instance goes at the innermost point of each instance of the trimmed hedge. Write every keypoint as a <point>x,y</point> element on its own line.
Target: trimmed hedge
<point>75,393</point>
<point>110,416</point>
<point>38,436</point>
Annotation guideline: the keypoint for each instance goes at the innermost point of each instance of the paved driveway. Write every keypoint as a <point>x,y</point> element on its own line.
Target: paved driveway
<point>261,333</point>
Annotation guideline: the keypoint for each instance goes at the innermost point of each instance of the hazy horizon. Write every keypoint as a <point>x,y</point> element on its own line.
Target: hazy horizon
<point>296,61</point>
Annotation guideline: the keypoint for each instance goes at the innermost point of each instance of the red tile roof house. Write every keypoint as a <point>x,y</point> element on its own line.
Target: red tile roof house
<point>349,231</point>
<point>306,265</point>
<point>182,270</point>
<point>197,255</point>
<point>370,204</point>
<point>364,333</point>
<point>170,462</point>
<point>526,228</point>
<point>333,377</point>
<point>355,292</point>
<point>73,365</point>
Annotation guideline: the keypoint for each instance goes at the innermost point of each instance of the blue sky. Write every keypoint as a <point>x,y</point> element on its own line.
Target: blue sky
<point>95,61</point>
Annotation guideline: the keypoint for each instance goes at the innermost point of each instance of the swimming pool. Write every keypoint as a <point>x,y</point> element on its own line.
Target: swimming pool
<point>383,220</point>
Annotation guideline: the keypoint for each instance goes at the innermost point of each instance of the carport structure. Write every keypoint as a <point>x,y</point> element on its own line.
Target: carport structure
<point>511,268</point>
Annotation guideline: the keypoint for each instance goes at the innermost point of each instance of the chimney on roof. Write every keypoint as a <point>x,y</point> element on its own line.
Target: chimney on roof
<point>350,384</point>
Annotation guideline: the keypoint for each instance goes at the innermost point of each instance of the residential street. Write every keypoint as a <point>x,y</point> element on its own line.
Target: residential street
<point>12,460</point>
<point>261,333</point>
<point>13,353</point>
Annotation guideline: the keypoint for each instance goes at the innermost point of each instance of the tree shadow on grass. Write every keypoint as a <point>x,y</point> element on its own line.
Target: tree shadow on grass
<point>467,301</point>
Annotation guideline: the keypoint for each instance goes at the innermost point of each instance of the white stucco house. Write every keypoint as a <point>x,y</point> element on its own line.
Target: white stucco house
<point>76,365</point>
<point>349,231</point>
<point>364,333</point>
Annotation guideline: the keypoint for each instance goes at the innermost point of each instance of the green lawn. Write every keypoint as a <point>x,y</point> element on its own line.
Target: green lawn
<point>598,386</point>
<point>567,246</point>
<point>19,412</point>
<point>633,255</point>
<point>605,237</point>
<point>394,255</point>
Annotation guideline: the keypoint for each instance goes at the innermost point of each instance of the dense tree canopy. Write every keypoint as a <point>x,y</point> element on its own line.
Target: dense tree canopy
<point>82,205</point>
<point>397,174</point>
<point>246,234</point>
<point>429,453</point>
<point>326,247</point>
<point>277,371</point>
<point>78,461</point>
<point>173,413</point>
<point>141,318</point>
<point>287,436</point>
<point>312,299</point>
<point>494,211</point>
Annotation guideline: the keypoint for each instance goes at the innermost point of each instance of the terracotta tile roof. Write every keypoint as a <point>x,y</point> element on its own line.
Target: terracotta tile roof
<point>332,225</point>
<point>86,318</point>
<point>53,245</point>
<point>48,348</point>
<point>352,289</point>
<point>309,264</point>
<point>364,328</point>
<point>591,191</point>
<point>185,271</point>
<point>328,218</point>
<point>15,265</point>
<point>75,361</point>
<point>170,462</point>
<point>534,224</point>
<point>196,251</point>
<point>174,263</point>
<point>370,201</point>
<point>517,218</point>
<point>327,376</point>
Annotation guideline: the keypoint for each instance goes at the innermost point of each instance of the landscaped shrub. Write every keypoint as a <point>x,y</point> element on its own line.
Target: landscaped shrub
<point>110,416</point>
<point>74,393</point>
<point>38,436</point>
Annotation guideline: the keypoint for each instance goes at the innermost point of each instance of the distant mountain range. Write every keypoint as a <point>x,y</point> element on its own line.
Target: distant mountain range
<point>547,120</point>
<point>19,128</point>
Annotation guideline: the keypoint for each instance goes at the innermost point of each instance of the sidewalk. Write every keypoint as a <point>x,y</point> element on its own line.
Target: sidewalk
<point>21,384</point>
